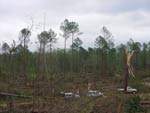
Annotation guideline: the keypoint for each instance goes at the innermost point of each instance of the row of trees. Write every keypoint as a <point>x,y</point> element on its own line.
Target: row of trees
<point>105,59</point>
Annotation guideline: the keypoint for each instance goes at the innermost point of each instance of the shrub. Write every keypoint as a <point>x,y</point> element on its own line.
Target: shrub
<point>133,105</point>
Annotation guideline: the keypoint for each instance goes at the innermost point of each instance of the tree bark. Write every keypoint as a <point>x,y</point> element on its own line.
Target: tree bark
<point>65,58</point>
<point>126,74</point>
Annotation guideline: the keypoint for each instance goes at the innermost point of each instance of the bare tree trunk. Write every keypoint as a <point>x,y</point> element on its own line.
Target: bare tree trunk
<point>102,60</point>
<point>136,60</point>
<point>24,62</point>
<point>11,104</point>
<point>51,76</point>
<point>50,48</point>
<point>72,60</point>
<point>126,74</point>
<point>65,58</point>
<point>36,101</point>
<point>145,60</point>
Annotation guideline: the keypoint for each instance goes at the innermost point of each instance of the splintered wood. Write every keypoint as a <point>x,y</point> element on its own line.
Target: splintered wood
<point>130,68</point>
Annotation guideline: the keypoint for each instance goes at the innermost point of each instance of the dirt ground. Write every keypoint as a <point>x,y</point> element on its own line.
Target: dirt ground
<point>46,100</point>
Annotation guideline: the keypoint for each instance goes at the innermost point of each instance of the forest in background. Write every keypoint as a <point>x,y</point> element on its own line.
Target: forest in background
<point>49,70</point>
<point>104,59</point>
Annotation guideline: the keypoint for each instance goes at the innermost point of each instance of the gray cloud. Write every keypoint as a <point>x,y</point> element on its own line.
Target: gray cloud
<point>124,18</point>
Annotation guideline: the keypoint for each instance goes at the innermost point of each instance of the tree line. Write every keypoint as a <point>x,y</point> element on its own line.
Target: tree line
<point>105,59</point>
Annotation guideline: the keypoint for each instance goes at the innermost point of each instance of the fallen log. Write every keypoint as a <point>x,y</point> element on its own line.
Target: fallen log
<point>14,95</point>
<point>145,103</point>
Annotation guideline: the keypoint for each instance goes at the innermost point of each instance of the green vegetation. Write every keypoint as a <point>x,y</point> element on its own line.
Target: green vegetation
<point>43,74</point>
<point>133,105</point>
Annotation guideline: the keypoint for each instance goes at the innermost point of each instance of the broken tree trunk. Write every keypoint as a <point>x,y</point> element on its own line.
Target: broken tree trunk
<point>128,68</point>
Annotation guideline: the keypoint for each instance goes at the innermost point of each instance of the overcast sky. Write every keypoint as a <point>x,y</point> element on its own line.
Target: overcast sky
<point>124,18</point>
